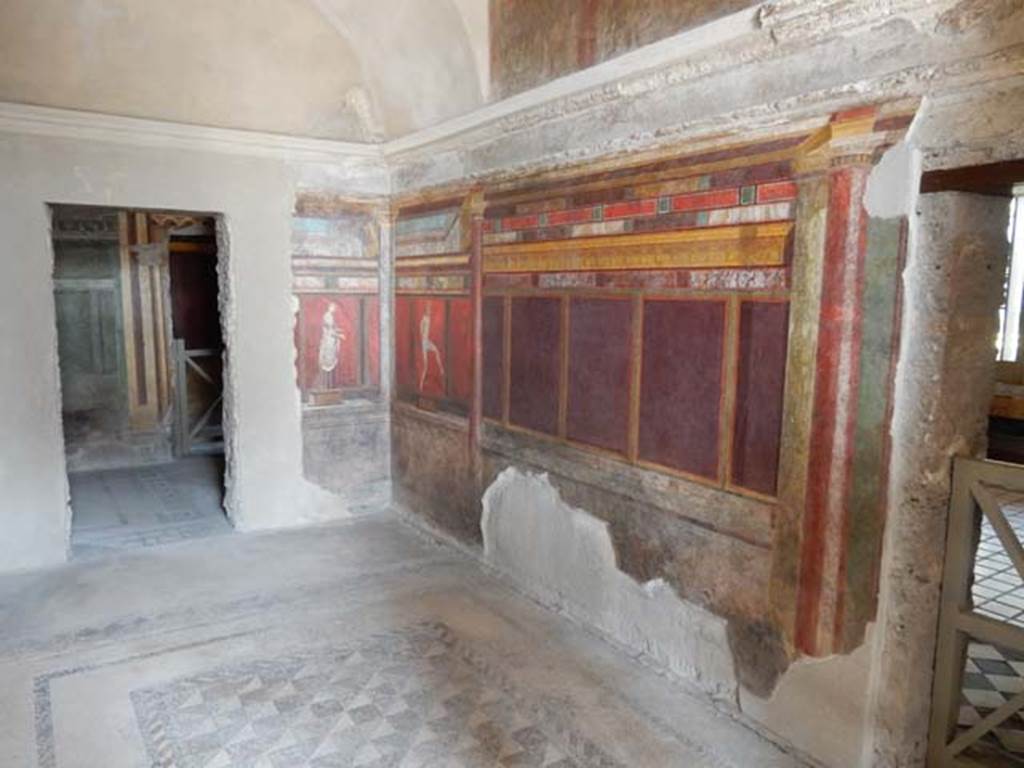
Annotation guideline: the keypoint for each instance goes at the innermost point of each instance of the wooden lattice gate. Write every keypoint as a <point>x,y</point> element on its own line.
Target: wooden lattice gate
<point>199,394</point>
<point>980,493</point>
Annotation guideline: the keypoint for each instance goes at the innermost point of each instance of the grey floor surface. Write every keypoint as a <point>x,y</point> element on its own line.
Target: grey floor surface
<point>117,509</point>
<point>357,644</point>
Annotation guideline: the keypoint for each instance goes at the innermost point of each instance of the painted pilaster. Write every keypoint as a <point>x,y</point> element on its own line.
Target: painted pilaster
<point>386,273</point>
<point>805,306</point>
<point>475,208</point>
<point>847,157</point>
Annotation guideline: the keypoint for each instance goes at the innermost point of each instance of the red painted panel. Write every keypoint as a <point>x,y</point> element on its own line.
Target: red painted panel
<point>520,222</point>
<point>719,198</point>
<point>372,310</point>
<point>574,216</point>
<point>535,357</point>
<point>631,208</point>
<point>460,350</point>
<point>430,355</point>
<point>494,355</point>
<point>600,336</point>
<point>779,190</point>
<point>405,369</point>
<point>761,377</point>
<point>681,384</point>
<point>328,336</point>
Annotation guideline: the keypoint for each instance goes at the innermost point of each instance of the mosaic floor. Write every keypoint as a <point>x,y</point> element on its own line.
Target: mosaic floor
<point>119,509</point>
<point>993,675</point>
<point>406,698</point>
<point>358,644</point>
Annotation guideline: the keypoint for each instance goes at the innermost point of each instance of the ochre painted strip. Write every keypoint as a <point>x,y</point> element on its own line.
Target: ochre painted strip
<point>461,259</point>
<point>751,245</point>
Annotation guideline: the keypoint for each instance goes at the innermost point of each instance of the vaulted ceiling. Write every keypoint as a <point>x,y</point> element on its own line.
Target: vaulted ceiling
<point>341,69</point>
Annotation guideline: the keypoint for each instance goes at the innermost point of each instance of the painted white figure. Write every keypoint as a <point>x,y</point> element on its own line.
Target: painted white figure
<point>427,347</point>
<point>331,337</point>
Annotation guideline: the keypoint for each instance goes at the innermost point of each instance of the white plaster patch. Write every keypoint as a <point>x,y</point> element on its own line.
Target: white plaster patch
<point>565,557</point>
<point>832,694</point>
<point>891,189</point>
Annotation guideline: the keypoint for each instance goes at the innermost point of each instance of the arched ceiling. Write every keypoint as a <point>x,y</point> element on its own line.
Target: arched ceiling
<point>341,69</point>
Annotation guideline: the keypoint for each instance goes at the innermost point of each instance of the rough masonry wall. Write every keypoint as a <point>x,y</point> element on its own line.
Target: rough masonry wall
<point>944,385</point>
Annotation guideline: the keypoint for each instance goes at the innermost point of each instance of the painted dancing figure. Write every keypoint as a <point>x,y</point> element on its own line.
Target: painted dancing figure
<point>427,346</point>
<point>331,337</point>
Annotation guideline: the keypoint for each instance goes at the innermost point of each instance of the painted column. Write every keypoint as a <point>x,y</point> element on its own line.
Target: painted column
<point>835,395</point>
<point>476,262</point>
<point>847,158</point>
<point>805,306</point>
<point>385,225</point>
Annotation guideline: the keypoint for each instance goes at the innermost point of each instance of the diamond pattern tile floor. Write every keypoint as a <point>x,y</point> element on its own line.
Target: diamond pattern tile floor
<point>405,699</point>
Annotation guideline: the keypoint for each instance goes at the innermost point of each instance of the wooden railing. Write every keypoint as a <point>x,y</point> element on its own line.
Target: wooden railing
<point>201,435</point>
<point>978,487</point>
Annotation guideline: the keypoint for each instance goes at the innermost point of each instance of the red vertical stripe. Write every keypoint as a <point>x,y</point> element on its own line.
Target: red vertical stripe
<point>844,212</point>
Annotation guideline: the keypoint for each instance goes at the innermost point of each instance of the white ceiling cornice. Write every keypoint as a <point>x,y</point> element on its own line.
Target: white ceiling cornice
<point>64,123</point>
<point>132,131</point>
<point>761,34</point>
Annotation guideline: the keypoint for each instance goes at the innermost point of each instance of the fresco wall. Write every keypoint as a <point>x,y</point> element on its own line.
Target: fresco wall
<point>533,41</point>
<point>336,285</point>
<point>697,350</point>
<point>433,363</point>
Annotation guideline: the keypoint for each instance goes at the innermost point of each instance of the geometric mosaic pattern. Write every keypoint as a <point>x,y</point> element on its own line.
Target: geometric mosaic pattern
<point>404,699</point>
<point>998,590</point>
<point>120,509</point>
<point>992,676</point>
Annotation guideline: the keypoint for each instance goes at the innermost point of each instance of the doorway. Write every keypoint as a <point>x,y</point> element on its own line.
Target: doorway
<point>978,696</point>
<point>141,359</point>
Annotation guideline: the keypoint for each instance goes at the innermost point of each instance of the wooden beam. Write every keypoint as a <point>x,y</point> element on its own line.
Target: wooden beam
<point>994,179</point>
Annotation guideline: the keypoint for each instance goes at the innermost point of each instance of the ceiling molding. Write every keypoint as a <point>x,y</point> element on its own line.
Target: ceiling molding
<point>93,126</point>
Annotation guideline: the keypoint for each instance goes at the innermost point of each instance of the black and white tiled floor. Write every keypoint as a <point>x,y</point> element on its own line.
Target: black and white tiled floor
<point>993,675</point>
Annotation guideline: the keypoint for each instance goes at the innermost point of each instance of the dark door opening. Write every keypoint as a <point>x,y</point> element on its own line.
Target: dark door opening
<point>141,370</point>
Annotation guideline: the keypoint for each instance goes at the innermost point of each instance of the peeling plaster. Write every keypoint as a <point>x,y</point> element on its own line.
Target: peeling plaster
<point>830,693</point>
<point>566,558</point>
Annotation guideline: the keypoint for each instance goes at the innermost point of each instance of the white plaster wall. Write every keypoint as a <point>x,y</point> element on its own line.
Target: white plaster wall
<point>565,557</point>
<point>255,196</point>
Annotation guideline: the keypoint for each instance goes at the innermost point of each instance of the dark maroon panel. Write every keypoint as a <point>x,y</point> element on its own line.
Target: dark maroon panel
<point>600,333</point>
<point>535,358</point>
<point>681,384</point>
<point>194,309</point>
<point>494,355</point>
<point>460,350</point>
<point>761,379</point>
<point>405,370</point>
